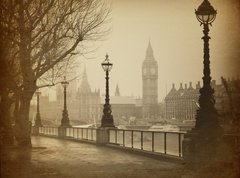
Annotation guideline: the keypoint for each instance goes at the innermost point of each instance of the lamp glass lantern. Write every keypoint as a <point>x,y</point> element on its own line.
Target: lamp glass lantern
<point>205,13</point>
<point>106,65</point>
<point>65,83</point>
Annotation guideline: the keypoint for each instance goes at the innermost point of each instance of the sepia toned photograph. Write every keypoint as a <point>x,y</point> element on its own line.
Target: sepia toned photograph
<point>119,89</point>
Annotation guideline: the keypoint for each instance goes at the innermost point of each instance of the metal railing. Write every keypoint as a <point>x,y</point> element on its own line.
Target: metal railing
<point>71,133</point>
<point>169,143</point>
<point>48,131</point>
<point>82,133</point>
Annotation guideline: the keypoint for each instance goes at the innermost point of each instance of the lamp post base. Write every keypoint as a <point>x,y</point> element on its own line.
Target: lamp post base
<point>198,149</point>
<point>107,118</point>
<point>103,135</point>
<point>65,120</point>
<point>107,121</point>
<point>38,122</point>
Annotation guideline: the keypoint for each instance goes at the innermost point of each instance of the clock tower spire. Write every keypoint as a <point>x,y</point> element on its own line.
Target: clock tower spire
<point>150,84</point>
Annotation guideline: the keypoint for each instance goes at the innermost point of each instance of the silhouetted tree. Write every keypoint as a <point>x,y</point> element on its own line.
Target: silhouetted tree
<point>40,35</point>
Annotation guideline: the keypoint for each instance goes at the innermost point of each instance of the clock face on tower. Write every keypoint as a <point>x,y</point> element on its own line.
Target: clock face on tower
<point>153,71</point>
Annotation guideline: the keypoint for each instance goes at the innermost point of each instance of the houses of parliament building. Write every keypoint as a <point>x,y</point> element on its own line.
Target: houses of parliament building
<point>181,103</point>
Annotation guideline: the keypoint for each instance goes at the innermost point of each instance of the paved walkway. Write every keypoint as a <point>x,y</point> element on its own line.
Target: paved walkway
<point>55,158</point>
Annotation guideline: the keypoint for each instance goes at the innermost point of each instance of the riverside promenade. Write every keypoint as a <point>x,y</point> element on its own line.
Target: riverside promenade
<point>57,158</point>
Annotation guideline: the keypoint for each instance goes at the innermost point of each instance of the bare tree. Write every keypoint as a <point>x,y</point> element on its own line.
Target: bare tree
<point>42,34</point>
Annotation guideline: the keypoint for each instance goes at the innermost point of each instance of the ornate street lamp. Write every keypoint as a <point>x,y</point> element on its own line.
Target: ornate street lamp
<point>65,120</point>
<point>38,122</point>
<point>205,13</point>
<point>107,118</point>
<point>206,119</point>
<point>199,144</point>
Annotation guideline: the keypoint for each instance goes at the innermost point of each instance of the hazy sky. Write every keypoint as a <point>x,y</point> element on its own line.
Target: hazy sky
<point>175,36</point>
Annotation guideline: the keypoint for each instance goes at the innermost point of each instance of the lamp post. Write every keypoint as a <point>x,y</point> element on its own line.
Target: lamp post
<point>38,122</point>
<point>65,120</point>
<point>206,119</point>
<point>199,144</point>
<point>107,118</point>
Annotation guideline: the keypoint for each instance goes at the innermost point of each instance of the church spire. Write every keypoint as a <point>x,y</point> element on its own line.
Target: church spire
<point>84,87</point>
<point>117,92</point>
<point>149,52</point>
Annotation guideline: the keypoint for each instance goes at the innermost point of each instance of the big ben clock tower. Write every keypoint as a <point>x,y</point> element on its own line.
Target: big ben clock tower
<point>150,84</point>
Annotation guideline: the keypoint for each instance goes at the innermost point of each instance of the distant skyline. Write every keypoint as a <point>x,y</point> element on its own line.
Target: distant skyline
<point>175,36</point>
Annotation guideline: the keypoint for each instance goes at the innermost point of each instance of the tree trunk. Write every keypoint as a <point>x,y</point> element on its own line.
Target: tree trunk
<point>23,125</point>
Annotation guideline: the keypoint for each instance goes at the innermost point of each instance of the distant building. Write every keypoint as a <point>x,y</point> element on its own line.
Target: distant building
<point>88,102</point>
<point>150,85</point>
<point>182,104</point>
<point>123,107</point>
<point>50,111</point>
<point>83,104</point>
